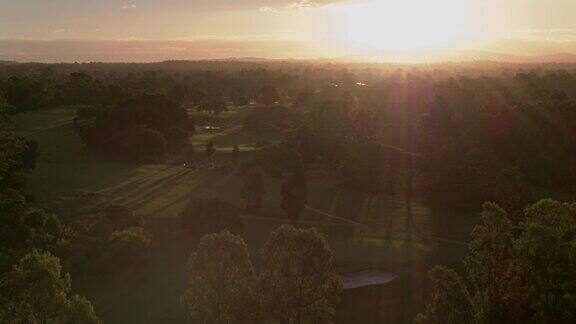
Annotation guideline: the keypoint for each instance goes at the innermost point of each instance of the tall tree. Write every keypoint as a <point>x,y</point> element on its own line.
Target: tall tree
<point>450,302</point>
<point>546,250</point>
<point>295,194</point>
<point>222,282</point>
<point>236,152</point>
<point>269,95</point>
<point>299,284</point>
<point>253,189</point>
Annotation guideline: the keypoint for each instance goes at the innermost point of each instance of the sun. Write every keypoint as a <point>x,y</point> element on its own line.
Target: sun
<point>405,25</point>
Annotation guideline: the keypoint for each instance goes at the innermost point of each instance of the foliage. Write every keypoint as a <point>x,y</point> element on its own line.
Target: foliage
<point>214,105</point>
<point>140,128</point>
<point>253,189</point>
<point>299,284</point>
<point>294,194</point>
<point>128,245</point>
<point>269,95</point>
<point>17,155</point>
<point>6,110</point>
<point>513,276</point>
<point>26,93</point>
<point>107,242</point>
<point>271,119</point>
<point>23,227</point>
<point>450,302</point>
<point>143,143</point>
<point>36,291</point>
<point>222,283</point>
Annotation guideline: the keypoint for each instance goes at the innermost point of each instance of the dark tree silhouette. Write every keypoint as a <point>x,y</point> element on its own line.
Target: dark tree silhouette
<point>294,194</point>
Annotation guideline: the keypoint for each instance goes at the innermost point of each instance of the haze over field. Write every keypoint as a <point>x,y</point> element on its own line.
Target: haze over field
<point>376,30</point>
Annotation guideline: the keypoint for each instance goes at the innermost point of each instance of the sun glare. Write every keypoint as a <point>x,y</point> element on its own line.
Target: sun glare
<point>405,25</point>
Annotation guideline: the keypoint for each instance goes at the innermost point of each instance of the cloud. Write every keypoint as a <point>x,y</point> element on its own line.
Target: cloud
<point>304,4</point>
<point>268,9</point>
<point>129,6</point>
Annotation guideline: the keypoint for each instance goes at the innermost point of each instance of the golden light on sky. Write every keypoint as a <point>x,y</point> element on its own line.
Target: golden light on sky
<point>332,28</point>
<point>406,25</point>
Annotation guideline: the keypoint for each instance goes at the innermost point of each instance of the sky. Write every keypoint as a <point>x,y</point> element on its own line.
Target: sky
<point>398,26</point>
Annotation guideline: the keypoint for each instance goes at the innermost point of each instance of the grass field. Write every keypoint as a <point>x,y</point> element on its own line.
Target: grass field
<point>149,293</point>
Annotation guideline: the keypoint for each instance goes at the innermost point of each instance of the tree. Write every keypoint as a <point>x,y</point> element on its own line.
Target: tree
<point>546,251</point>
<point>222,282</point>
<point>449,302</point>
<point>17,156</point>
<point>23,227</point>
<point>180,93</point>
<point>177,137</point>
<point>514,276</point>
<point>144,143</point>
<point>239,100</point>
<point>36,291</point>
<point>6,110</point>
<point>304,141</point>
<point>236,152</point>
<point>299,284</point>
<point>204,216</point>
<point>210,148</point>
<point>492,272</point>
<point>269,95</point>
<point>253,189</point>
<point>27,93</point>
<point>140,128</point>
<point>128,245</point>
<point>294,194</point>
<point>214,105</point>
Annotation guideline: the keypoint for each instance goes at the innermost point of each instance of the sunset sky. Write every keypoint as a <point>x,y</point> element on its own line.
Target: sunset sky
<point>399,26</point>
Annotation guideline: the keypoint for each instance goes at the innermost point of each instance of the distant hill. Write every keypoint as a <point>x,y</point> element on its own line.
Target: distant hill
<point>499,57</point>
<point>70,51</point>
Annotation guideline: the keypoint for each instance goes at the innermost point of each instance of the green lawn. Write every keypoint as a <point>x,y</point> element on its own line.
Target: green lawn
<point>149,293</point>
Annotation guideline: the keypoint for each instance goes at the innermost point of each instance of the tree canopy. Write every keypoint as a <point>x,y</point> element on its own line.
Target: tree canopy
<point>36,291</point>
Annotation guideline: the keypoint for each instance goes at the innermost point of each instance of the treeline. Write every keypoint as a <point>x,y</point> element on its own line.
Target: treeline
<point>474,132</point>
<point>511,149</point>
<point>464,140</point>
<point>141,128</point>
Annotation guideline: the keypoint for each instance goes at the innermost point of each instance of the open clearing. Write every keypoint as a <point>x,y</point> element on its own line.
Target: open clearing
<point>73,182</point>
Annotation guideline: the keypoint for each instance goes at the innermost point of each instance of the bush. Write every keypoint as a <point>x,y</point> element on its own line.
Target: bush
<point>129,245</point>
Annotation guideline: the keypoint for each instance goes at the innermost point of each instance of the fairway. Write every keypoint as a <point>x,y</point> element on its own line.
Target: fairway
<point>71,181</point>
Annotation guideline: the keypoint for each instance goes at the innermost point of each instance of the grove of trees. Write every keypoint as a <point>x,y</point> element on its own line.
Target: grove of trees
<point>33,287</point>
<point>511,274</point>
<point>297,282</point>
